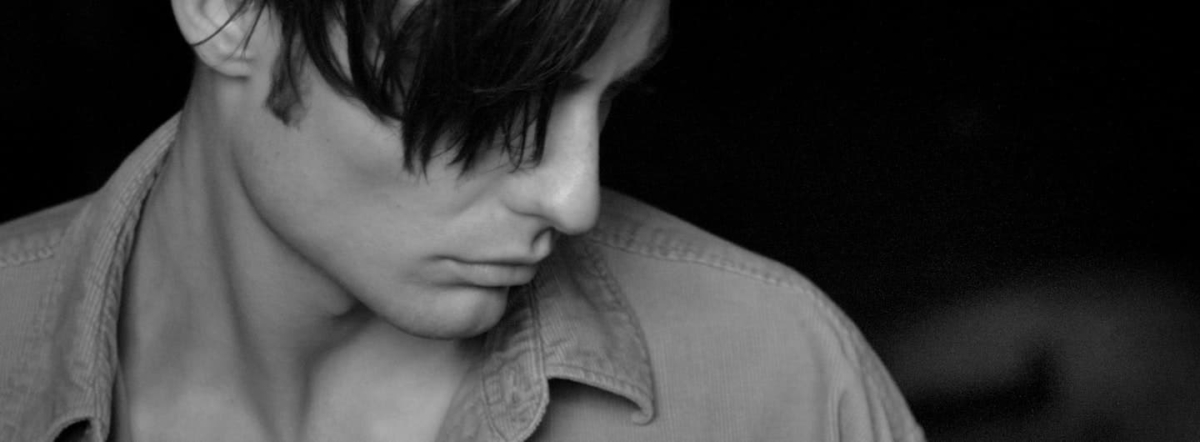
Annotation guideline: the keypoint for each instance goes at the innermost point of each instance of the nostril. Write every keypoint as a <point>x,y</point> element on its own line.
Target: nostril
<point>576,205</point>
<point>545,242</point>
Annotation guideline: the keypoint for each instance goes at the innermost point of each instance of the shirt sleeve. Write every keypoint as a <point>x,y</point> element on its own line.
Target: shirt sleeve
<point>871,408</point>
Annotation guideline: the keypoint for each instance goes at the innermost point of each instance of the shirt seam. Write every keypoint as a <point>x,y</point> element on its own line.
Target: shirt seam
<point>616,292</point>
<point>774,278</point>
<point>487,407</point>
<point>844,330</point>
<point>23,257</point>
<point>539,376</point>
<point>539,363</point>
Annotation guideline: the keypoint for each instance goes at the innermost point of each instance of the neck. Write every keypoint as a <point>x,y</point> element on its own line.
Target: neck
<point>217,305</point>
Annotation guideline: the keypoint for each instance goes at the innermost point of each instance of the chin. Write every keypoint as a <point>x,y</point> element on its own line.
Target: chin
<point>458,314</point>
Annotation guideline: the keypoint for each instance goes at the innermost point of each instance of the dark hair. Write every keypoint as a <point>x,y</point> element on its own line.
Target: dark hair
<point>480,73</point>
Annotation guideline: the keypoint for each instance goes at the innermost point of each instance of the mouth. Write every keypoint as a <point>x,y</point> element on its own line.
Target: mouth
<point>496,273</point>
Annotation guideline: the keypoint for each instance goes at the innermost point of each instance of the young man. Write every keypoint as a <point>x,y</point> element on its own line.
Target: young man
<point>381,220</point>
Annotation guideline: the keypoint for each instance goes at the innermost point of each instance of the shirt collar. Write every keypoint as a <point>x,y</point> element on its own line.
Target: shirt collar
<point>571,323</point>
<point>70,360</point>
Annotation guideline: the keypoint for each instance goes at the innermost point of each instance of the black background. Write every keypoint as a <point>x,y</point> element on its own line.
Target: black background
<point>883,150</point>
<point>901,156</point>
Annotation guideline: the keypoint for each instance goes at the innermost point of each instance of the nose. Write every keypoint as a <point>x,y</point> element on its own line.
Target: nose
<point>563,189</point>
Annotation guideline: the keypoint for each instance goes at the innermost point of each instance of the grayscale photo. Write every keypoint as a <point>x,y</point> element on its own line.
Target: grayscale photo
<point>597,220</point>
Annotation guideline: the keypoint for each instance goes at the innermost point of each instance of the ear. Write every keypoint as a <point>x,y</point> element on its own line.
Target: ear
<point>218,37</point>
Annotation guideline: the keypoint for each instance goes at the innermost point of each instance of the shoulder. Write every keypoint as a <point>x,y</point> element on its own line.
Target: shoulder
<point>30,247</point>
<point>30,257</point>
<point>722,321</point>
<point>669,267</point>
<point>634,227</point>
<point>662,261</point>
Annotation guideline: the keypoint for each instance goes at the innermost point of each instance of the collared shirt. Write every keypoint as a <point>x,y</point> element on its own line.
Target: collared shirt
<point>644,329</point>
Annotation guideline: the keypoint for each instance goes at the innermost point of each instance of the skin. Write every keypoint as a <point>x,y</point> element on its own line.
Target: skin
<point>296,283</point>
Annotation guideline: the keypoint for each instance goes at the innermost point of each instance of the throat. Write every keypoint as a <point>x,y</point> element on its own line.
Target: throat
<point>372,388</point>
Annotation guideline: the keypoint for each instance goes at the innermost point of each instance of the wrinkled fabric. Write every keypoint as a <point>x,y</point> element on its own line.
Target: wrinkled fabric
<point>644,329</point>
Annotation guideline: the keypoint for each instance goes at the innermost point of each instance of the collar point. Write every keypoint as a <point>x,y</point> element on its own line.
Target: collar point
<point>645,413</point>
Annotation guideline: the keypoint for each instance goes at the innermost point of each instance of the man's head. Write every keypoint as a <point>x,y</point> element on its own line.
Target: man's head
<point>419,156</point>
<point>479,74</point>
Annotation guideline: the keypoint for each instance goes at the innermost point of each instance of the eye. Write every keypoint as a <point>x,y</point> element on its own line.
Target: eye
<point>522,152</point>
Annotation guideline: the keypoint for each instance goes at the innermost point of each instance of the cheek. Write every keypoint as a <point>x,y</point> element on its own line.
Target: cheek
<point>334,188</point>
<point>338,158</point>
<point>321,220</point>
<point>320,183</point>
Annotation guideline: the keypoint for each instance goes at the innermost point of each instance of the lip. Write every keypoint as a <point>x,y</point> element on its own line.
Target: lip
<point>506,273</point>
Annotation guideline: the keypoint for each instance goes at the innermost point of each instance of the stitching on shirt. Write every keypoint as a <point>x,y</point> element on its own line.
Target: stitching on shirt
<point>130,203</point>
<point>537,355</point>
<point>15,254</point>
<point>843,329</point>
<point>488,415</point>
<point>623,235</point>
<point>39,243</point>
<point>662,240</point>
<point>616,294</point>
<point>681,254</point>
<point>539,364</point>
<point>26,256</point>
<point>27,370</point>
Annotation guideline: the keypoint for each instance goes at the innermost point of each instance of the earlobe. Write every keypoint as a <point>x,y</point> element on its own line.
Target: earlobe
<point>218,33</point>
